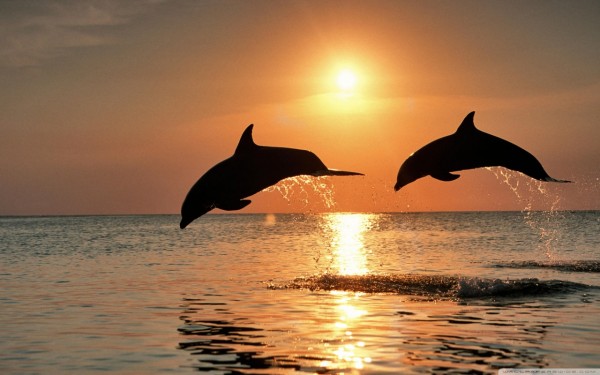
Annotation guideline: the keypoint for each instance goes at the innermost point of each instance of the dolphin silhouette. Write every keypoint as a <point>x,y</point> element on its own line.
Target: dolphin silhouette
<point>251,169</point>
<point>468,148</point>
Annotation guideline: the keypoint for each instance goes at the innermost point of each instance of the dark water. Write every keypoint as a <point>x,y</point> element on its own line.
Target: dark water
<point>278,294</point>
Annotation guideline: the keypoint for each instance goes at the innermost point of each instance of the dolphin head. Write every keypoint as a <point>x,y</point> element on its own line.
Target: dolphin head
<point>198,201</point>
<point>408,173</point>
<point>190,211</point>
<point>187,216</point>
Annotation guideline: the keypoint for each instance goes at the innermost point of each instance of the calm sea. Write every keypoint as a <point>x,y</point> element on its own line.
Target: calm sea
<point>317,294</point>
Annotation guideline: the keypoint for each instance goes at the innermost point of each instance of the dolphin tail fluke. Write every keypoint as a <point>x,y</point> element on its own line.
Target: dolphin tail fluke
<point>336,172</point>
<point>550,179</point>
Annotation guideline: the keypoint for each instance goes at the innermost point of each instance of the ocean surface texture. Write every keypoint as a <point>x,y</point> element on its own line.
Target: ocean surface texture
<point>407,293</point>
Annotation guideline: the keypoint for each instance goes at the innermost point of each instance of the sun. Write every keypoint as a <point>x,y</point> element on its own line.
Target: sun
<point>346,80</point>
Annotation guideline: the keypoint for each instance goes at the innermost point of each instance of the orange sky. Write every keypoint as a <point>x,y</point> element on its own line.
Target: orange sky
<point>118,107</point>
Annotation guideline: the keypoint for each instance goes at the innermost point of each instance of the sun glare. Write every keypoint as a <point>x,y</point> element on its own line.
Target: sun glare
<point>346,80</point>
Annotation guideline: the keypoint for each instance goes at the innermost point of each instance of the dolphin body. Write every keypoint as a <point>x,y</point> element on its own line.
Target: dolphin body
<point>251,169</point>
<point>468,148</point>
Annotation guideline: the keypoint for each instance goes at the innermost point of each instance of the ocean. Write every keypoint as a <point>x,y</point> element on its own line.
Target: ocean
<point>332,293</point>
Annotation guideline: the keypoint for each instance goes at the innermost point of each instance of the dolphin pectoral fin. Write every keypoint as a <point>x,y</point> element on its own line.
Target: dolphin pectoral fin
<point>445,176</point>
<point>335,172</point>
<point>233,205</point>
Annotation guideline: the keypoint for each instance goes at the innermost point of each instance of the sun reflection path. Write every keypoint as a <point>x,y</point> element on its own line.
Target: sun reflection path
<point>347,241</point>
<point>347,351</point>
<point>350,257</point>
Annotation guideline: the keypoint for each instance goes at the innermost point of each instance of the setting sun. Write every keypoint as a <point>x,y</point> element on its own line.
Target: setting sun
<point>346,80</point>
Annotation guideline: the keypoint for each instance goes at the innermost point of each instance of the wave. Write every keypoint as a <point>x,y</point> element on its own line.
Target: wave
<point>592,266</point>
<point>433,286</point>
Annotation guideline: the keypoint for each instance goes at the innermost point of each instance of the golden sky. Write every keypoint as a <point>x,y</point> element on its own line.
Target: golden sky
<point>120,106</point>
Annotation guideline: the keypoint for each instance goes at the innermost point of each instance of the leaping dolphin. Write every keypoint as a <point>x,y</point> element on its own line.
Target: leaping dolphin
<point>468,148</point>
<point>251,169</point>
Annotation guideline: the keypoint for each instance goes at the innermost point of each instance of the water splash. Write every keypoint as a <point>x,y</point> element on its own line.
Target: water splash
<point>303,188</point>
<point>532,194</point>
<point>433,286</point>
<point>590,266</point>
<point>307,190</point>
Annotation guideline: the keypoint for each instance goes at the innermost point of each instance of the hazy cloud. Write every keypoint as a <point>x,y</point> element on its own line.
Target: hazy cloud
<point>33,31</point>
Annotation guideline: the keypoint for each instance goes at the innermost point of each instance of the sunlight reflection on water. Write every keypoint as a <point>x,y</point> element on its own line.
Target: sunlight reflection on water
<point>350,352</point>
<point>350,258</point>
<point>347,241</point>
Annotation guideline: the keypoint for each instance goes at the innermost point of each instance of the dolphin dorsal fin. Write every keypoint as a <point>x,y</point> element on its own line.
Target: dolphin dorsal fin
<point>467,125</point>
<point>246,142</point>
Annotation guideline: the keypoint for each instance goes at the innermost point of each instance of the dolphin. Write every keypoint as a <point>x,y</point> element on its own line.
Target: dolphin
<point>251,169</point>
<point>468,148</point>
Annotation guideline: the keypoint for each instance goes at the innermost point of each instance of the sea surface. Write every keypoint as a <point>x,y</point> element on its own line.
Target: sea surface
<point>335,293</point>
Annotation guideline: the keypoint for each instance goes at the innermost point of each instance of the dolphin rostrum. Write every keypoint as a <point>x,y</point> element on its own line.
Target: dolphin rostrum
<point>468,148</point>
<point>251,169</point>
